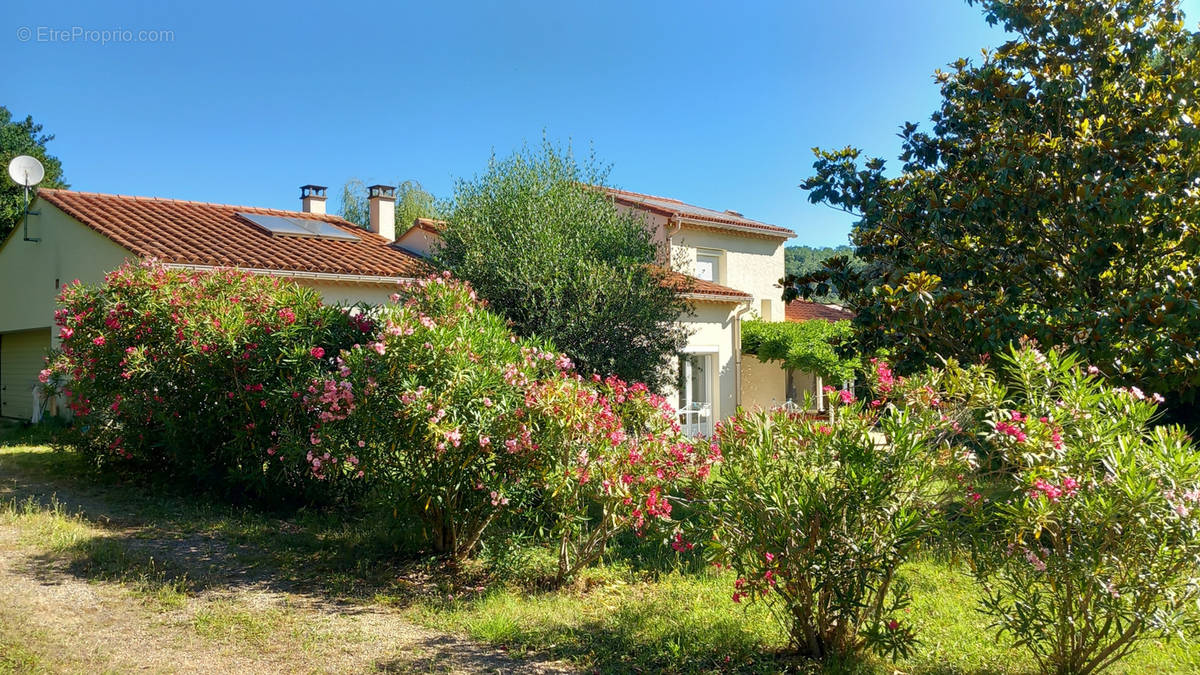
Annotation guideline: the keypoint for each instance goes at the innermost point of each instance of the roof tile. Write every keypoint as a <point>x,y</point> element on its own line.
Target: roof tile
<point>673,207</point>
<point>805,310</point>
<point>199,233</point>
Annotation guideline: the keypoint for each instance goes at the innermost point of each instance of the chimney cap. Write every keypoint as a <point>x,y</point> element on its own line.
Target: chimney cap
<point>312,191</point>
<point>381,192</point>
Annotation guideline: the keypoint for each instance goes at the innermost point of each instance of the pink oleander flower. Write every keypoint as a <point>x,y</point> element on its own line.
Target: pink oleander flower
<point>98,340</point>
<point>846,397</point>
<point>317,352</point>
<point>379,347</point>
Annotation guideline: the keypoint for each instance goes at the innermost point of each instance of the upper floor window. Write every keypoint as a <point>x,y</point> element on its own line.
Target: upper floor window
<point>708,267</point>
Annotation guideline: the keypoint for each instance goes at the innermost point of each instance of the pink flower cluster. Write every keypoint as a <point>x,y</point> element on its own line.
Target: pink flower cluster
<point>1044,489</point>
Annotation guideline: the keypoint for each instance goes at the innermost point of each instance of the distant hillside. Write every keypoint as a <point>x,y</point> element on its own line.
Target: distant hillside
<point>805,259</point>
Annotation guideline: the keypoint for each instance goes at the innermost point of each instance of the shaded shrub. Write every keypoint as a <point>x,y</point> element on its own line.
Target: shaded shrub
<point>196,376</point>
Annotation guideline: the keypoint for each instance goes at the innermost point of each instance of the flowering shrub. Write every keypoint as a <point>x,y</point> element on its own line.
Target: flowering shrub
<point>815,517</point>
<point>193,374</point>
<point>431,410</point>
<point>1081,521</point>
<point>614,451</point>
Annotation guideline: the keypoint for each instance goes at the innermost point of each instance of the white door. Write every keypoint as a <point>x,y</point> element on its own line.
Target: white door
<point>695,394</point>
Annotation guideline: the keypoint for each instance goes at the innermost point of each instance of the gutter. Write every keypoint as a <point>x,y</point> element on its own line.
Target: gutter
<point>298,274</point>
<point>714,297</point>
<point>713,225</point>
<point>677,224</point>
<point>737,354</point>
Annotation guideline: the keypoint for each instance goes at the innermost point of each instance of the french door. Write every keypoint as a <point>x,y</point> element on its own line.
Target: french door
<point>695,394</point>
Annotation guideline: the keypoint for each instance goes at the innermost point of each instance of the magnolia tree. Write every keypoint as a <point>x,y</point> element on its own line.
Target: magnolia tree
<point>1078,517</point>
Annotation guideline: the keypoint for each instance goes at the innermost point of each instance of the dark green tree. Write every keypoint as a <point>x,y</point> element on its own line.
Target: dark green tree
<point>1056,196</point>
<point>802,260</point>
<point>558,259</point>
<point>23,137</point>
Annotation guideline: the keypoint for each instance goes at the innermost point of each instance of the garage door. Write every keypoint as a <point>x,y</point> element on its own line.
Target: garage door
<point>22,357</point>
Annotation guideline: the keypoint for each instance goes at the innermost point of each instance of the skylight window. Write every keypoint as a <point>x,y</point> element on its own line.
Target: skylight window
<point>283,226</point>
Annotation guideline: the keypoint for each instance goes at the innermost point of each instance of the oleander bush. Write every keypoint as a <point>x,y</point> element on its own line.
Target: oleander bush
<point>615,461</point>
<point>816,517</point>
<point>1079,518</point>
<point>455,419</point>
<point>195,376</point>
<point>431,411</point>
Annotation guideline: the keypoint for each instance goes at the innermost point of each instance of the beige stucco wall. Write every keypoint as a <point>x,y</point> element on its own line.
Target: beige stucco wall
<point>418,240</point>
<point>712,332</point>
<point>748,263</point>
<point>29,270</point>
<point>349,294</point>
<point>764,385</point>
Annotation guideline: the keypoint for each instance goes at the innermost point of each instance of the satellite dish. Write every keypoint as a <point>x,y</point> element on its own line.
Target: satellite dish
<point>26,170</point>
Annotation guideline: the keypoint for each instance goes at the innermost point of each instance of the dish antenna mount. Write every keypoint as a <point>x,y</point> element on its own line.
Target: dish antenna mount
<point>26,171</point>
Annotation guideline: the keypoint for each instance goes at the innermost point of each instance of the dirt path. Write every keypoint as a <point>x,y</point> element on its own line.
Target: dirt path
<point>63,621</point>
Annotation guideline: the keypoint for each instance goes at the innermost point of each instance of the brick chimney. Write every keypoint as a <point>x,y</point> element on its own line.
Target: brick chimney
<point>312,198</point>
<point>381,205</point>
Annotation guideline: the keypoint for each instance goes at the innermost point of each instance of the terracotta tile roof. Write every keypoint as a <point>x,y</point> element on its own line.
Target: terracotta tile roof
<point>805,310</point>
<point>700,289</point>
<point>198,233</point>
<point>665,206</point>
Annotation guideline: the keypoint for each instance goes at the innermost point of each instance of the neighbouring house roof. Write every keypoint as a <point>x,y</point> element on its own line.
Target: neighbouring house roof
<point>202,234</point>
<point>697,215</point>
<point>699,289</point>
<point>805,310</point>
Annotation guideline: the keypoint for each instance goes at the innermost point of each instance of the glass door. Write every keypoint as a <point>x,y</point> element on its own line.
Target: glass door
<point>695,394</point>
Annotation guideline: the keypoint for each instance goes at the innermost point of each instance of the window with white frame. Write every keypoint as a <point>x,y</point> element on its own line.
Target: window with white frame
<point>708,267</point>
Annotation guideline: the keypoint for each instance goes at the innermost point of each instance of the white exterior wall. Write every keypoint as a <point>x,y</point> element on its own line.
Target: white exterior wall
<point>418,240</point>
<point>712,333</point>
<point>750,264</point>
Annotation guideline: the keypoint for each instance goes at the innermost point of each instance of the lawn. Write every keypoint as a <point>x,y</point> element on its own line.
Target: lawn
<point>184,579</point>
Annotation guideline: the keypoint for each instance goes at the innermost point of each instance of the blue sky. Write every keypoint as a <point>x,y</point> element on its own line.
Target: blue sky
<point>691,100</point>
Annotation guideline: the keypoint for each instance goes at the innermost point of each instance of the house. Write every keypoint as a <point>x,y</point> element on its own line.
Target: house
<point>84,235</point>
<point>733,265</point>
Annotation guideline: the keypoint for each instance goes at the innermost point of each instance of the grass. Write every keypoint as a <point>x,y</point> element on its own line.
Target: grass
<point>638,612</point>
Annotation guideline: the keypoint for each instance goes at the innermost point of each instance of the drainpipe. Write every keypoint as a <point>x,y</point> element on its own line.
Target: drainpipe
<point>674,225</point>
<point>737,354</point>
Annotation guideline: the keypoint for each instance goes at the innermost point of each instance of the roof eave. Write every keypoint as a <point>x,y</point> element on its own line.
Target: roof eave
<point>713,224</point>
<point>300,274</point>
